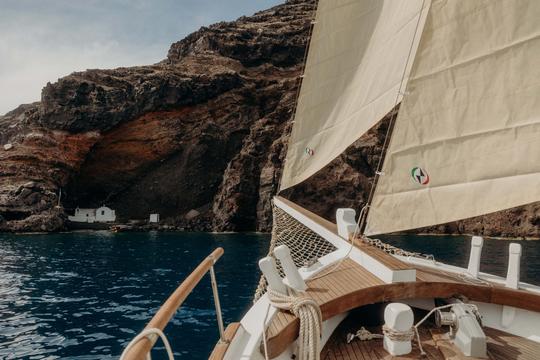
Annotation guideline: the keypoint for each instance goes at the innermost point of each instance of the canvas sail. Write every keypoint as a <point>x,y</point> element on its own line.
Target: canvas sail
<point>356,61</point>
<point>467,138</point>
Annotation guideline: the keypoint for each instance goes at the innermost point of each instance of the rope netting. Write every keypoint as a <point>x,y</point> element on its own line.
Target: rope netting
<point>306,246</point>
<point>392,250</point>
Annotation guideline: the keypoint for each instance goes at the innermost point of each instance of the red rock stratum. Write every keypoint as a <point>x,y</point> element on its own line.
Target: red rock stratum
<point>205,129</point>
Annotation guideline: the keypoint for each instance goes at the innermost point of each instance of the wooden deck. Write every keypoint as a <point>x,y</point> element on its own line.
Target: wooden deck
<point>500,346</point>
<point>381,256</point>
<point>351,286</point>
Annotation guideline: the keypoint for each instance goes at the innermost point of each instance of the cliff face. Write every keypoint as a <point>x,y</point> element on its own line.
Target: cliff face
<point>199,138</point>
<point>191,132</point>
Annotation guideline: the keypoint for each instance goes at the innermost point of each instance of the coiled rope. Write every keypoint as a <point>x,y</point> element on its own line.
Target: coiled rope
<point>150,334</point>
<point>309,314</point>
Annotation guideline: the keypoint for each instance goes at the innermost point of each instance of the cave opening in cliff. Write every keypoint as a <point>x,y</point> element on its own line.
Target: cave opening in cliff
<point>15,215</point>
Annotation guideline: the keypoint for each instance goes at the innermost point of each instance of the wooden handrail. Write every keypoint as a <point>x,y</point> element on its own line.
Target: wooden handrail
<point>169,308</point>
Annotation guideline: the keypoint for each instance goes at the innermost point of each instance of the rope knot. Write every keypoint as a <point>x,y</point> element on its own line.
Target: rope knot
<point>397,335</point>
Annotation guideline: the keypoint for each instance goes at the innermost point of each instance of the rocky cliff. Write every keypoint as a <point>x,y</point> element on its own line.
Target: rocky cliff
<point>199,138</point>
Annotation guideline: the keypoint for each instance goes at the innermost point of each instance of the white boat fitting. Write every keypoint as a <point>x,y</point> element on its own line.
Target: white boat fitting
<point>464,143</point>
<point>349,284</point>
<point>367,275</point>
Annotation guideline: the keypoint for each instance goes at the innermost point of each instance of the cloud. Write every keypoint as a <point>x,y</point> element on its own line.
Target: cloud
<point>28,70</point>
<point>41,41</point>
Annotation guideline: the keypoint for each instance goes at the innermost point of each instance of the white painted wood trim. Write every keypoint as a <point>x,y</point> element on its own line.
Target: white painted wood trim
<point>371,264</point>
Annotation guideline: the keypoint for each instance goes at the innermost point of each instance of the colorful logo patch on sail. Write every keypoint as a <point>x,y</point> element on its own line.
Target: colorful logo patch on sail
<point>420,175</point>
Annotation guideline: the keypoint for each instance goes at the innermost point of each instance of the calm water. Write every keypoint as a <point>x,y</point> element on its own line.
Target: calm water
<point>85,295</point>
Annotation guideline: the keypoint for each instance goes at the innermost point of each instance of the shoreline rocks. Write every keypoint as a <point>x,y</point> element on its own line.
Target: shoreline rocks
<point>205,129</point>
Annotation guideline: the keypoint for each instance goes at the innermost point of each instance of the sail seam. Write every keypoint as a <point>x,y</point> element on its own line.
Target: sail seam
<point>473,135</point>
<point>526,174</point>
<point>456,104</point>
<point>478,57</point>
<point>381,47</point>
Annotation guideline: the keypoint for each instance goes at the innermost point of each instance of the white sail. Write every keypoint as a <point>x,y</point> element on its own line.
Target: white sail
<point>467,138</point>
<point>356,61</point>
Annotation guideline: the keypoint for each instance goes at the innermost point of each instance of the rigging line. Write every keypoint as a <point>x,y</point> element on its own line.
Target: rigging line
<point>301,77</point>
<point>389,130</point>
<point>337,264</point>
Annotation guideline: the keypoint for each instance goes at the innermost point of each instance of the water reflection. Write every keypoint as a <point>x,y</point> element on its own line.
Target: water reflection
<point>85,295</point>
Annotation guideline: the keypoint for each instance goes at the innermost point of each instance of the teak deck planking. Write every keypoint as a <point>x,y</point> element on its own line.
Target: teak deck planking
<point>351,286</point>
<point>500,346</point>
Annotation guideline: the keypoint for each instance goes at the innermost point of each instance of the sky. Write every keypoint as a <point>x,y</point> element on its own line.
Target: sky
<point>42,40</point>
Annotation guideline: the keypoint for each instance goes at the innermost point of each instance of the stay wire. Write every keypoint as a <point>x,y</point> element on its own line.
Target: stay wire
<point>391,123</point>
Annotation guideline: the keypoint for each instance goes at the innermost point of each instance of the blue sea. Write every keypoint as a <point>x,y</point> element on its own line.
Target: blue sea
<point>86,295</point>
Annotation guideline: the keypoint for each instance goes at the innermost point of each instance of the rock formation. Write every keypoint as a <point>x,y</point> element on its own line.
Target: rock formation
<point>199,138</point>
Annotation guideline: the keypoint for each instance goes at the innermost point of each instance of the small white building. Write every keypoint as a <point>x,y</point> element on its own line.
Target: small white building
<point>101,215</point>
<point>154,218</point>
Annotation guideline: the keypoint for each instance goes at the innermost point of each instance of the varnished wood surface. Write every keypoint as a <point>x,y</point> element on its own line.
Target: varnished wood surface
<point>171,305</point>
<point>221,347</point>
<point>318,219</point>
<point>503,346</point>
<point>351,286</point>
<point>388,260</point>
<point>435,342</point>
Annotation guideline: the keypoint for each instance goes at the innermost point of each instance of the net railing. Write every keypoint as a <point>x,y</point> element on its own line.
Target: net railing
<point>306,246</point>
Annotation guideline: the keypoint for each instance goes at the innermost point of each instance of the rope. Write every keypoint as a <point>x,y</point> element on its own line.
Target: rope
<point>363,335</point>
<point>468,278</point>
<point>150,334</point>
<point>406,335</point>
<point>397,335</point>
<point>422,352</point>
<point>393,250</point>
<point>392,334</point>
<point>309,314</point>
